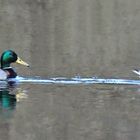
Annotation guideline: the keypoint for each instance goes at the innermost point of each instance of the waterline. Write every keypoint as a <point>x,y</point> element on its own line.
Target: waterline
<point>76,80</point>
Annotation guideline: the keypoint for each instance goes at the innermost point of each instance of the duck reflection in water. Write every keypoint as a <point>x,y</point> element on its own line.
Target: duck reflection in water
<point>10,96</point>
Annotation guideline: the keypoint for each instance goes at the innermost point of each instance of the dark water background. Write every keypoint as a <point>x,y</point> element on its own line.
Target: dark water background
<point>68,38</point>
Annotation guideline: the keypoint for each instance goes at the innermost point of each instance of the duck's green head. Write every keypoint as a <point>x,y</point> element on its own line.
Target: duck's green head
<point>9,57</point>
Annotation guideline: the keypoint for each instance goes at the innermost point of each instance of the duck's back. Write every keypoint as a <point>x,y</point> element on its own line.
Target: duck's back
<point>3,75</point>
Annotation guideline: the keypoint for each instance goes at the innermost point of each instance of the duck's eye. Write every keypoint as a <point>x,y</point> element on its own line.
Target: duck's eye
<point>10,54</point>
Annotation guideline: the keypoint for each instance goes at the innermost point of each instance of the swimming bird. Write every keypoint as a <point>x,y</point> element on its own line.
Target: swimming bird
<point>8,57</point>
<point>136,71</point>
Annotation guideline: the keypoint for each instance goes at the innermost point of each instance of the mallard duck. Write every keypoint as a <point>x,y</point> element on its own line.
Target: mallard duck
<point>7,58</point>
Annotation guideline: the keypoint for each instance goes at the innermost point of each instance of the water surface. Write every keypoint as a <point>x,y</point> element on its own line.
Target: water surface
<point>69,111</point>
<point>98,40</point>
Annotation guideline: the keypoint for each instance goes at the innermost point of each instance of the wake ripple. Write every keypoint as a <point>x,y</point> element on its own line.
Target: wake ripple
<point>76,80</point>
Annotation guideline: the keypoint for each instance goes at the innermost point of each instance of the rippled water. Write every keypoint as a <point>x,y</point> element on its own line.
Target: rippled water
<point>73,80</point>
<point>69,108</point>
<point>61,39</point>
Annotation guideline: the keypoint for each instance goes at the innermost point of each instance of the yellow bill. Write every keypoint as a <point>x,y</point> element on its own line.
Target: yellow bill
<point>19,61</point>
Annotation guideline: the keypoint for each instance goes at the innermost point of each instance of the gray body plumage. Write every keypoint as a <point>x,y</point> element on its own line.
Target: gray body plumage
<point>3,75</point>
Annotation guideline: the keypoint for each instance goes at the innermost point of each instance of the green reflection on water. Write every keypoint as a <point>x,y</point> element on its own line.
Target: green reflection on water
<point>10,95</point>
<point>7,100</point>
